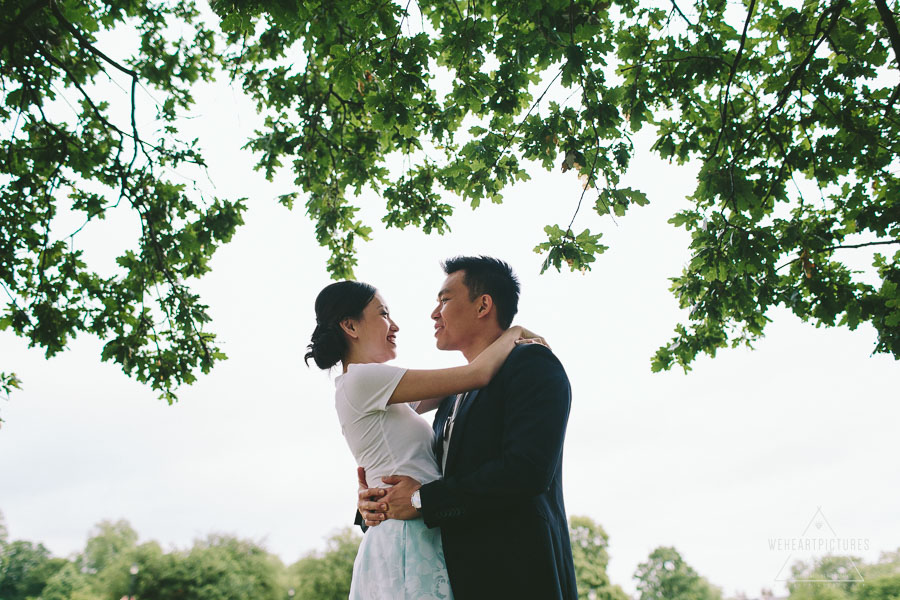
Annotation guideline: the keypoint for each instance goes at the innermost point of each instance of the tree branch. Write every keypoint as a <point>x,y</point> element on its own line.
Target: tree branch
<point>840,247</point>
<point>678,10</point>
<point>87,44</point>
<point>734,66</point>
<point>887,18</point>
<point>785,93</point>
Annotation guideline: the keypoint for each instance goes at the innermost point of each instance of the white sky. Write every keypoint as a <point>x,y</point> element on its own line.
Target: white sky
<point>718,462</point>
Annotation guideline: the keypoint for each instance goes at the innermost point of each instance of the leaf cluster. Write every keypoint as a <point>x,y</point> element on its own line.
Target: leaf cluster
<point>70,156</point>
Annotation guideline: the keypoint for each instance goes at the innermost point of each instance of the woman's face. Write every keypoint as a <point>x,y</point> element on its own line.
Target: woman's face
<point>377,332</point>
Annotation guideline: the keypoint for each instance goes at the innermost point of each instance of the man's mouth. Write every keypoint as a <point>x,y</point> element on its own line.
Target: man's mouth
<point>392,339</point>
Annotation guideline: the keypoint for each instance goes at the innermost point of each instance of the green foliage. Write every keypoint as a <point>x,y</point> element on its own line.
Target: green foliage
<point>884,588</point>
<point>789,112</point>
<point>108,542</point>
<point>589,553</point>
<point>70,584</point>
<point>666,576</point>
<point>25,569</point>
<point>775,103</point>
<point>833,577</point>
<point>8,382</point>
<point>326,576</point>
<point>218,568</point>
<point>68,158</point>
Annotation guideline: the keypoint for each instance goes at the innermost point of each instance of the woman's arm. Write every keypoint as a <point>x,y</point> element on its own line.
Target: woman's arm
<point>428,405</point>
<point>417,384</point>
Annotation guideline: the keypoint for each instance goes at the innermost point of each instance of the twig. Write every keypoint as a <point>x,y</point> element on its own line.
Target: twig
<point>678,10</point>
<point>841,247</point>
<point>734,65</point>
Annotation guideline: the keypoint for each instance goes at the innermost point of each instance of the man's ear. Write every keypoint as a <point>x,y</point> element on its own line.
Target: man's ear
<point>349,327</point>
<point>485,305</point>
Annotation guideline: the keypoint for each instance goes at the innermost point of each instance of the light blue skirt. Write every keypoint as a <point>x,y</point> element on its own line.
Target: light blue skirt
<point>400,560</point>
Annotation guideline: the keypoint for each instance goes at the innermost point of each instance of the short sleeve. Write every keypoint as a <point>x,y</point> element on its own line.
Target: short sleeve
<point>369,386</point>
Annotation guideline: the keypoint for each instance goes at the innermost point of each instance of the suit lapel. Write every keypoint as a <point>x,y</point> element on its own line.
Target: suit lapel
<point>459,423</point>
<point>440,417</point>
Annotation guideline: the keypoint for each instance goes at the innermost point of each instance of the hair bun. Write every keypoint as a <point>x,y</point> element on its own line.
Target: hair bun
<point>336,302</point>
<point>326,346</point>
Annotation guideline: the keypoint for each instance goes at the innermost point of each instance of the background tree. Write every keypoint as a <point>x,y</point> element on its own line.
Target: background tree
<point>218,568</point>
<point>69,583</point>
<point>666,576</point>
<point>589,553</point>
<point>825,578</point>
<point>4,533</point>
<point>888,564</point>
<point>25,568</point>
<point>882,588</point>
<point>107,542</point>
<point>836,577</point>
<point>326,575</point>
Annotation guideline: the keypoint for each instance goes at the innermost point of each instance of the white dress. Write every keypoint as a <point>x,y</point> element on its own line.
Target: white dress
<point>397,560</point>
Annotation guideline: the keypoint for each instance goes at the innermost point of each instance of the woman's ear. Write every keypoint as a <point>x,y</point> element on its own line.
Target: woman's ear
<point>349,327</point>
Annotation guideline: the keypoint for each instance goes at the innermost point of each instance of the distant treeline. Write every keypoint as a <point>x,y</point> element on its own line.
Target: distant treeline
<point>113,566</point>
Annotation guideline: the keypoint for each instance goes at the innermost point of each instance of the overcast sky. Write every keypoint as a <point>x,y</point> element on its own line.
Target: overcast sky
<point>719,462</point>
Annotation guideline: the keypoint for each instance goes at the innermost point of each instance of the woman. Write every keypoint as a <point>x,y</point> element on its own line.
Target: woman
<point>376,406</point>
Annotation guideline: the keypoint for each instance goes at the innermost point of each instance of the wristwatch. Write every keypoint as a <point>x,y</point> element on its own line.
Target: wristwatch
<point>416,500</point>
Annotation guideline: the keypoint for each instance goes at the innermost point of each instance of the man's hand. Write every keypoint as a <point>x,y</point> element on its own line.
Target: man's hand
<point>399,505</point>
<point>369,507</point>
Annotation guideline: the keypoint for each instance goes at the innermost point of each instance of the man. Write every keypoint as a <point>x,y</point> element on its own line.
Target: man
<point>499,504</point>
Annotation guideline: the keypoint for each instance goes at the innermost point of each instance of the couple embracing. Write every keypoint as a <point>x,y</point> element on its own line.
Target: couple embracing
<point>470,507</point>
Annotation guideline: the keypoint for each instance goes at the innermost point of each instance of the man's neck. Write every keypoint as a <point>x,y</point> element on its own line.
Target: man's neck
<point>479,344</point>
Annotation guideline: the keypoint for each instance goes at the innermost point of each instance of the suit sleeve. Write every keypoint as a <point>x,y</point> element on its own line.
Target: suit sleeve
<point>358,520</point>
<point>536,412</point>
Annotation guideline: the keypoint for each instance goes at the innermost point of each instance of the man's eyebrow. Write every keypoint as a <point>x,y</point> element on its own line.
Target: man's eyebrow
<point>443,292</point>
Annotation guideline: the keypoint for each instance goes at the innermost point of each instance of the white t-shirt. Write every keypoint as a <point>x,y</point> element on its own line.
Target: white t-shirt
<point>384,439</point>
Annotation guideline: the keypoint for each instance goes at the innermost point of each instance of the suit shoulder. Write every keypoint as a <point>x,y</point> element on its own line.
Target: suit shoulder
<point>533,356</point>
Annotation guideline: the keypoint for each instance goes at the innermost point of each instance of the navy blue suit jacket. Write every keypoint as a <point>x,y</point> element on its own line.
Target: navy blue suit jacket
<point>500,504</point>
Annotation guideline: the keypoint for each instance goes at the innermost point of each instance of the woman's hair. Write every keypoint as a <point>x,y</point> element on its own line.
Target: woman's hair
<point>338,301</point>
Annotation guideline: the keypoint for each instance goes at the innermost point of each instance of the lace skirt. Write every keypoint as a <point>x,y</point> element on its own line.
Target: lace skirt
<point>400,560</point>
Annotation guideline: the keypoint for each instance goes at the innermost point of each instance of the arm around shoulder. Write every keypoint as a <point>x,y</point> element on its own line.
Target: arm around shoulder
<point>437,383</point>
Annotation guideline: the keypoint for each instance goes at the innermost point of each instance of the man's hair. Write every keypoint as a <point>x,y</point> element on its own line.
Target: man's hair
<point>491,276</point>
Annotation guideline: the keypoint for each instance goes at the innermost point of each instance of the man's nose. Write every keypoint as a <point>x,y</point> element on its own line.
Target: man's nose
<point>436,312</point>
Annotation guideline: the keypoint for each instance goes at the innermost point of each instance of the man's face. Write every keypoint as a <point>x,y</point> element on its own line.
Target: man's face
<point>456,316</point>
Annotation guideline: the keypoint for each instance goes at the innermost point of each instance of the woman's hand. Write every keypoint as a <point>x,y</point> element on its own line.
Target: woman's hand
<point>530,337</point>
